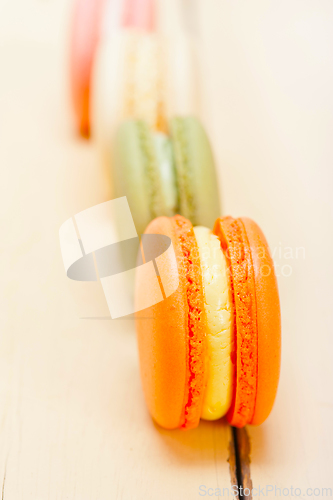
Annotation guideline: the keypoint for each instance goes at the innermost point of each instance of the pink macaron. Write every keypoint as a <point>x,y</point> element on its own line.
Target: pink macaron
<point>86,32</point>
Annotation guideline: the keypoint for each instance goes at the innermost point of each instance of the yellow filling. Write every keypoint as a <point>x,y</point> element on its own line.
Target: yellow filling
<point>218,307</point>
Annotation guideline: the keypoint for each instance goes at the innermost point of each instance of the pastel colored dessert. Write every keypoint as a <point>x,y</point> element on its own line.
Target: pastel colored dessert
<point>165,174</point>
<point>141,76</point>
<point>93,20</point>
<point>212,348</point>
<point>85,34</point>
<point>139,14</point>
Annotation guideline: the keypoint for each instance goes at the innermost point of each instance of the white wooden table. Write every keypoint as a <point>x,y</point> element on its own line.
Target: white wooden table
<point>73,424</point>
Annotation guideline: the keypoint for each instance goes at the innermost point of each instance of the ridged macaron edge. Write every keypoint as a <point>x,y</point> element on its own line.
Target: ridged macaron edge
<point>196,324</point>
<point>232,235</point>
<point>195,171</point>
<point>268,322</point>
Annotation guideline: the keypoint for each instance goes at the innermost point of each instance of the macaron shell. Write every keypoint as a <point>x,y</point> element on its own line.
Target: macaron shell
<point>106,90</point>
<point>137,168</point>
<point>195,170</point>
<point>139,14</point>
<point>232,235</point>
<point>164,156</point>
<point>268,322</point>
<point>196,321</point>
<point>171,335</point>
<point>85,35</point>
<point>129,171</point>
<point>112,18</point>
<point>162,343</point>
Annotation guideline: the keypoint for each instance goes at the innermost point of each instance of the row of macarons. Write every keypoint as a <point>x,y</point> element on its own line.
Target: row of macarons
<point>137,93</point>
<point>94,23</point>
<point>212,347</point>
<point>122,67</point>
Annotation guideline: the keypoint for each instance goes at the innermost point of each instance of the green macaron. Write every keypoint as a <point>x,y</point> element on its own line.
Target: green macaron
<point>166,174</point>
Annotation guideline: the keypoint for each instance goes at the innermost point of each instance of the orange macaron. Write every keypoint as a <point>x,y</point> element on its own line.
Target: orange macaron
<point>180,344</point>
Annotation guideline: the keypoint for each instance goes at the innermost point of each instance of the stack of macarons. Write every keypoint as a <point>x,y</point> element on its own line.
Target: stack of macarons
<point>211,348</point>
<point>137,92</point>
<point>144,76</point>
<point>122,68</point>
<point>93,21</point>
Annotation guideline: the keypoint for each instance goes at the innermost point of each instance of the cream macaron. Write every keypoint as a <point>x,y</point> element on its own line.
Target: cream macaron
<point>142,76</point>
